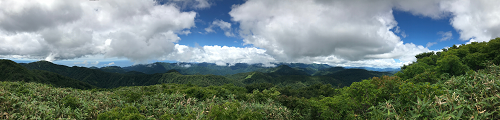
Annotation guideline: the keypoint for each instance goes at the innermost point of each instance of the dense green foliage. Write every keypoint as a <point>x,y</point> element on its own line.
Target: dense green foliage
<point>21,100</point>
<point>286,76</point>
<point>11,71</point>
<point>104,79</point>
<point>282,76</point>
<point>229,69</point>
<point>211,68</point>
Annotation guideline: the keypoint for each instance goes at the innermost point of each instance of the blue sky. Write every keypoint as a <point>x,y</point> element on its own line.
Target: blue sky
<point>422,30</point>
<point>379,33</point>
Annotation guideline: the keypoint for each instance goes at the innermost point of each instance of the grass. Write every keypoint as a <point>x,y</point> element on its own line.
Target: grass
<point>20,100</point>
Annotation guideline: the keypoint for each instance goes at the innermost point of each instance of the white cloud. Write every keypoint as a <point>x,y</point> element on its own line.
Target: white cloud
<point>194,4</point>
<point>429,8</point>
<point>111,63</point>
<point>220,54</point>
<point>336,32</point>
<point>475,19</point>
<point>350,30</point>
<point>429,44</point>
<point>202,4</point>
<point>85,63</point>
<point>223,56</point>
<point>397,30</point>
<point>225,26</point>
<point>401,32</point>
<point>60,29</point>
<point>404,52</point>
<point>445,35</point>
<point>404,35</point>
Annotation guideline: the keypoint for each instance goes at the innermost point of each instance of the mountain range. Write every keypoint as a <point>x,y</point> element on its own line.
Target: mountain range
<point>212,68</point>
<point>296,75</point>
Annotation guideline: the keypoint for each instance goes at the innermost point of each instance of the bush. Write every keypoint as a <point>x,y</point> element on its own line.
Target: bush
<point>234,111</point>
<point>127,113</point>
<point>72,102</point>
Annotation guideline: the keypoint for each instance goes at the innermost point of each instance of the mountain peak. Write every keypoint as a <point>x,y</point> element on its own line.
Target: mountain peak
<point>287,70</point>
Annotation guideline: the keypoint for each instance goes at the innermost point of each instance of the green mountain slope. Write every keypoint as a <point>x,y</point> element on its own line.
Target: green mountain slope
<point>328,71</point>
<point>283,76</point>
<point>296,78</point>
<point>349,76</point>
<point>104,79</point>
<point>11,71</point>
<point>210,68</point>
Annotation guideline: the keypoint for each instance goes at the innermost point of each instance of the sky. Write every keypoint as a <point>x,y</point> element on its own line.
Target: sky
<point>354,33</point>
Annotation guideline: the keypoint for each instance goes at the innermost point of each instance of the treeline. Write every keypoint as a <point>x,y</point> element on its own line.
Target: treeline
<point>282,76</point>
<point>11,71</point>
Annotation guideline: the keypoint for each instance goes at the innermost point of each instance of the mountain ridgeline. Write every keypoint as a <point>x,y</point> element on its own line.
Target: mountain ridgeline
<point>103,79</point>
<point>301,75</point>
<point>11,71</point>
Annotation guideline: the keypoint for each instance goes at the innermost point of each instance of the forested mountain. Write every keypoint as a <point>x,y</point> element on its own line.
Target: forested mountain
<point>283,75</point>
<point>195,68</point>
<point>328,71</point>
<point>348,76</point>
<point>213,69</point>
<point>286,76</point>
<point>104,79</point>
<point>11,71</point>
<point>379,69</point>
<point>148,68</point>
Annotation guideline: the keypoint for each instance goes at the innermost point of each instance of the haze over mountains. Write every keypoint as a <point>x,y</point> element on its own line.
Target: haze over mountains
<point>296,75</point>
<point>212,68</point>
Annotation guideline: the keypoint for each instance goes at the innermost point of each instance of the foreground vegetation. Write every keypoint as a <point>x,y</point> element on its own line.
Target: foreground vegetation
<point>473,95</point>
<point>457,83</point>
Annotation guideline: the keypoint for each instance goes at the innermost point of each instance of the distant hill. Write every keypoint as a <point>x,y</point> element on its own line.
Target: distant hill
<point>328,71</point>
<point>212,68</point>
<point>209,68</point>
<point>11,71</point>
<point>112,69</point>
<point>347,76</point>
<point>229,69</point>
<point>286,76</point>
<point>149,74</point>
<point>147,68</point>
<point>107,79</point>
<point>392,70</point>
<point>283,70</point>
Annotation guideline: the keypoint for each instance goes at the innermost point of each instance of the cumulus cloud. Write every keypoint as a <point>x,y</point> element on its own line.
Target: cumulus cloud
<point>193,4</point>
<point>445,35</point>
<point>85,63</point>
<point>351,30</point>
<point>477,20</point>
<point>428,8</point>
<point>111,63</point>
<point>401,32</point>
<point>335,32</point>
<point>220,55</point>
<point>224,56</point>
<point>225,26</point>
<point>354,30</point>
<point>429,44</point>
<point>61,29</point>
<point>404,35</point>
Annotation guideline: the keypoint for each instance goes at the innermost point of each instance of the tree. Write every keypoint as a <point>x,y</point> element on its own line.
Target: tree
<point>475,61</point>
<point>451,64</point>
